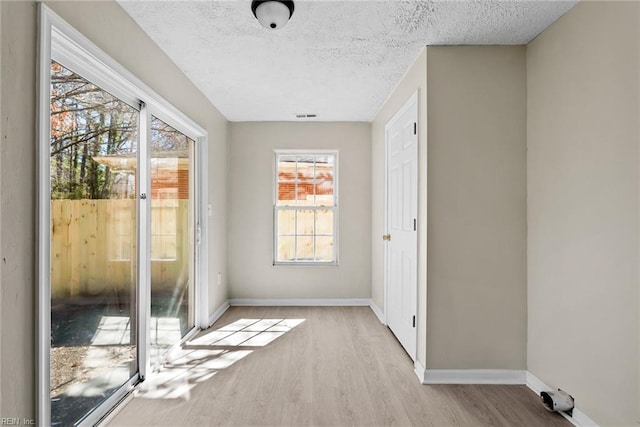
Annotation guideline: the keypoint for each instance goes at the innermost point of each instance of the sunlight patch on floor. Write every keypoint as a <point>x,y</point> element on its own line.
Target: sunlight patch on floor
<point>177,378</point>
<point>201,358</point>
<point>247,333</point>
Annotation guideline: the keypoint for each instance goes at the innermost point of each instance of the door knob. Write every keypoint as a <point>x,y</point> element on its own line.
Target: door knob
<point>386,237</point>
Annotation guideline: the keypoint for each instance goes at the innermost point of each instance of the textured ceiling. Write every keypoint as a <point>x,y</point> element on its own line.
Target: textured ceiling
<point>337,59</point>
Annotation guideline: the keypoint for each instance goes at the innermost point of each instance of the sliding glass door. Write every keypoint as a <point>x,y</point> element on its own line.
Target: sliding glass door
<point>121,198</point>
<point>104,230</point>
<point>93,164</point>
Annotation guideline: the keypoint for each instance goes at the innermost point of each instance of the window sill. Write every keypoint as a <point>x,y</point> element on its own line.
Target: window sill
<point>305,264</point>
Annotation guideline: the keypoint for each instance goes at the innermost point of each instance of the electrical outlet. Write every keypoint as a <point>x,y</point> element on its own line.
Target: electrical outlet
<point>219,278</point>
<point>209,210</point>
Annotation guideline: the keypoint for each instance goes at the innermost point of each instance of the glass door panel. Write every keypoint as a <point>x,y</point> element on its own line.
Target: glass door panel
<point>93,166</point>
<point>171,243</point>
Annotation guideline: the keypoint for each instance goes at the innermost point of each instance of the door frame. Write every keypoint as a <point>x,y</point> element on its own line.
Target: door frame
<point>59,40</point>
<point>412,102</point>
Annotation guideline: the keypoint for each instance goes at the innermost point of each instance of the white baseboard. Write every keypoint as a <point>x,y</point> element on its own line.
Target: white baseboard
<point>312,302</point>
<point>377,311</point>
<point>419,371</point>
<point>219,312</point>
<point>472,376</point>
<point>535,384</point>
<point>579,418</point>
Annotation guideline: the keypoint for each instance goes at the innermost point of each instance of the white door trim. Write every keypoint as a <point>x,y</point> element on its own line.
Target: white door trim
<point>412,102</point>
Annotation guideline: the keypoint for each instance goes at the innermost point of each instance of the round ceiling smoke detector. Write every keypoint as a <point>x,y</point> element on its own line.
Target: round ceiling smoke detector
<point>272,14</point>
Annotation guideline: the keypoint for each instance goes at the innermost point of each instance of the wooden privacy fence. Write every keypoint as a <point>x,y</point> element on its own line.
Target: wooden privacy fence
<point>93,246</point>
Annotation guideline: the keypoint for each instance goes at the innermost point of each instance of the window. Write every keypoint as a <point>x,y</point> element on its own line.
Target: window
<point>306,208</point>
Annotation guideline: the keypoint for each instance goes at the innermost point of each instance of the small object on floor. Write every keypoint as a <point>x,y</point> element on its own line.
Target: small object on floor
<point>557,401</point>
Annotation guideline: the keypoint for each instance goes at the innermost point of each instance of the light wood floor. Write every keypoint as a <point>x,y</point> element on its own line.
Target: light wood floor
<point>339,367</point>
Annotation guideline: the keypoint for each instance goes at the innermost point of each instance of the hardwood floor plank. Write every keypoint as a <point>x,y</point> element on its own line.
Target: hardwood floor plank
<point>337,367</point>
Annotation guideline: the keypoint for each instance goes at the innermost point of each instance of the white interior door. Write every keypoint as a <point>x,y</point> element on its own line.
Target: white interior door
<point>401,240</point>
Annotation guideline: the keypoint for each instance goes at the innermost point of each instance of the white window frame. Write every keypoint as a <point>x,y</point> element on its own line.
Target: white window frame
<point>334,208</point>
<point>59,41</point>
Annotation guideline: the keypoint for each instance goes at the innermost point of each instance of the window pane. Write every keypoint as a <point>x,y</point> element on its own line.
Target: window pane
<point>286,222</point>
<point>286,180</point>
<point>306,180</point>
<point>305,248</point>
<point>324,180</point>
<point>305,223</point>
<point>287,158</point>
<point>286,194</point>
<point>324,249</point>
<point>171,225</point>
<point>324,193</point>
<point>327,159</point>
<point>305,160</point>
<point>286,248</point>
<point>93,163</point>
<point>324,222</point>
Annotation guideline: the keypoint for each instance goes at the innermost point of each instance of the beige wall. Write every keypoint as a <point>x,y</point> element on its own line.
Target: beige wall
<point>414,80</point>
<point>472,314</point>
<point>582,81</point>
<point>106,24</point>
<point>17,209</point>
<point>477,208</point>
<point>251,270</point>
<point>1,145</point>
